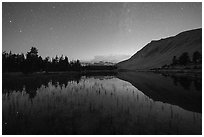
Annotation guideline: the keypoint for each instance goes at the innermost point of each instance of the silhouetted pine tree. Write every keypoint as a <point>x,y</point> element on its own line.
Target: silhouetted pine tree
<point>174,60</point>
<point>184,59</point>
<point>35,63</point>
<point>197,57</point>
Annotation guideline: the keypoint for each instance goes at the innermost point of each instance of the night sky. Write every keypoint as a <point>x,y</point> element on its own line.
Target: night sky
<point>86,30</point>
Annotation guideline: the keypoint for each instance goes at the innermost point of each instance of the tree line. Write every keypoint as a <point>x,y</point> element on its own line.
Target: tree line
<point>32,62</point>
<point>184,59</point>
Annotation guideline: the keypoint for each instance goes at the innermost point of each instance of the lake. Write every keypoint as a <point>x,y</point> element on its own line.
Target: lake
<point>126,103</point>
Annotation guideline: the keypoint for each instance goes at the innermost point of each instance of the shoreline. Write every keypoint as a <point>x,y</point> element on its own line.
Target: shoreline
<point>60,73</point>
<point>172,72</point>
<point>197,72</point>
<point>164,70</point>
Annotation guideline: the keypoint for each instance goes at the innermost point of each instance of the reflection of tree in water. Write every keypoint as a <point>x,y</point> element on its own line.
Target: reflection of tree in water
<point>198,84</point>
<point>32,93</point>
<point>175,79</point>
<point>186,82</point>
<point>31,84</point>
<point>18,84</point>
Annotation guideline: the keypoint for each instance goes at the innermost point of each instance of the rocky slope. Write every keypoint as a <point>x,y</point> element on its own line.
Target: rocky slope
<point>158,53</point>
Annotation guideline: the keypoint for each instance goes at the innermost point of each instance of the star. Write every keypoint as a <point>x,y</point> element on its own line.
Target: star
<point>10,21</point>
<point>20,31</point>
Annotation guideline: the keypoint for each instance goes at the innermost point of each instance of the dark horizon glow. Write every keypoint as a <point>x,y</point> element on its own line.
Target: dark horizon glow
<point>87,30</point>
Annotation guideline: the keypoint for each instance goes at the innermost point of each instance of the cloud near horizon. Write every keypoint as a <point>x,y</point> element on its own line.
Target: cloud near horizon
<point>110,58</point>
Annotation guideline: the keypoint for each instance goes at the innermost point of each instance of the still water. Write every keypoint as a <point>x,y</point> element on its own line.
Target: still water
<point>129,103</point>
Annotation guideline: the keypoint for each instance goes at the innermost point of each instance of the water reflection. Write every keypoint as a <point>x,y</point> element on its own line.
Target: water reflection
<point>31,83</point>
<point>172,89</point>
<point>93,105</point>
<point>186,82</point>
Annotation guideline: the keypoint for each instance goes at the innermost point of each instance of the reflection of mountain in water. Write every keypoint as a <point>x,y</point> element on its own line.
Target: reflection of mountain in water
<point>182,91</point>
<point>93,105</point>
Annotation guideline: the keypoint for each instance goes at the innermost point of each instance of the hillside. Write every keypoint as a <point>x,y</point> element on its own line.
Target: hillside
<point>158,53</point>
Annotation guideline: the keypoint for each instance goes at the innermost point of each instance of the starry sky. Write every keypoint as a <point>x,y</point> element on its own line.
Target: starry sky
<point>87,30</point>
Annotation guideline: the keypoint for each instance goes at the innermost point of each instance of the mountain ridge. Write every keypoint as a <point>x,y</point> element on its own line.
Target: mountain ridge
<point>160,52</point>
